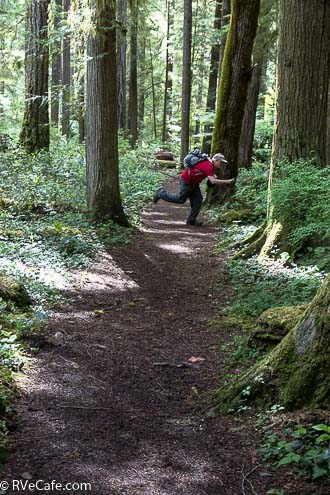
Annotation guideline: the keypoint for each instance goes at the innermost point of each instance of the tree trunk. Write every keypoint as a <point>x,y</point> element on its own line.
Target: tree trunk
<point>297,372</point>
<point>82,110</point>
<point>153,92</point>
<point>56,67</point>
<point>302,80</point>
<point>142,71</point>
<point>249,120</point>
<point>301,101</point>
<point>103,193</point>
<point>133,90</point>
<point>222,9</point>
<point>186,78</point>
<point>235,76</point>
<point>2,92</point>
<point>66,77</point>
<point>35,128</point>
<point>168,73</point>
<point>121,64</point>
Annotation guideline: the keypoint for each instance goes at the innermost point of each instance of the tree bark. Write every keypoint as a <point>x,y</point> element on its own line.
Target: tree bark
<point>103,195</point>
<point>153,92</point>
<point>35,128</point>
<point>121,64</point>
<point>66,77</point>
<point>142,71</point>
<point>297,372</point>
<point>56,67</point>
<point>222,10</point>
<point>301,96</point>
<point>235,76</point>
<point>249,120</point>
<point>168,73</point>
<point>133,90</point>
<point>186,78</point>
<point>82,110</point>
<point>302,80</point>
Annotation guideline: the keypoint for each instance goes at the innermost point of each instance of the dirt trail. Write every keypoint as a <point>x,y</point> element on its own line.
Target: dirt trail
<point>112,398</point>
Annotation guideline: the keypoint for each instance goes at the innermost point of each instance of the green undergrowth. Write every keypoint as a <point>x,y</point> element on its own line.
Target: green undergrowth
<point>301,202</point>
<point>262,284</point>
<point>249,203</point>
<point>46,234</point>
<point>304,447</point>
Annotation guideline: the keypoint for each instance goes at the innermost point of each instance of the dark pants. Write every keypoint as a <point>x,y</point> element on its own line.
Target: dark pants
<point>186,191</point>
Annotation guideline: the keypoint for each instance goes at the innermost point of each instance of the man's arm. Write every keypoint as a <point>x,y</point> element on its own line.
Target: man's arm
<point>218,182</point>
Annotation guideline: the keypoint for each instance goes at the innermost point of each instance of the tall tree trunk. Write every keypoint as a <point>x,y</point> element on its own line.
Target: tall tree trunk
<point>153,92</point>
<point>186,78</point>
<point>249,120</point>
<point>35,128</point>
<point>266,38</point>
<point>133,90</point>
<point>121,64</point>
<point>66,77</point>
<point>220,17</point>
<point>56,66</point>
<point>103,195</point>
<point>301,101</point>
<point>81,110</point>
<point>168,72</point>
<point>232,93</point>
<point>301,109</point>
<point>262,91</point>
<point>2,92</point>
<point>142,70</point>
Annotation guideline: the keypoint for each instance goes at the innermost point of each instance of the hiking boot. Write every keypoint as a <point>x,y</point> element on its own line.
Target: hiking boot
<point>196,223</point>
<point>156,197</point>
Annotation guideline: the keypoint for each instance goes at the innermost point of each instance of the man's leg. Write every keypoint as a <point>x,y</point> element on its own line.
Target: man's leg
<point>196,201</point>
<point>180,197</point>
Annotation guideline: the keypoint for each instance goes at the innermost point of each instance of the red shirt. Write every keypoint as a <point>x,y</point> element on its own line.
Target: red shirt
<point>198,173</point>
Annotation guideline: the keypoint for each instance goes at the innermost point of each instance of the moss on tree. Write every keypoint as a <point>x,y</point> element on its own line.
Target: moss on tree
<point>297,372</point>
<point>11,290</point>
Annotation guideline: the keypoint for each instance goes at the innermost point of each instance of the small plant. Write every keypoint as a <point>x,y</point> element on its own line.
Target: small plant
<point>307,448</point>
<point>262,285</point>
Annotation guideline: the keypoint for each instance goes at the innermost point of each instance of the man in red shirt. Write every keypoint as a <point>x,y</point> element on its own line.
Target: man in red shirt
<point>189,186</point>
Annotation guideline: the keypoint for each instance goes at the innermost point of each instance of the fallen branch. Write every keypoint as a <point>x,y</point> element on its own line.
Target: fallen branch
<point>176,365</point>
<point>245,479</point>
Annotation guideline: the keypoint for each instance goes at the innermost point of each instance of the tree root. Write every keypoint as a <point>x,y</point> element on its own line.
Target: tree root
<point>253,247</point>
<point>249,239</point>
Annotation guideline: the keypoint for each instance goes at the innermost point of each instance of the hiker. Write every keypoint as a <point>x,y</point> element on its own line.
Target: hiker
<point>190,179</point>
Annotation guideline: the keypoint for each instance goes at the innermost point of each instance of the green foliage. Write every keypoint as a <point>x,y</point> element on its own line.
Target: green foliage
<point>250,193</point>
<point>242,349</point>
<point>301,201</point>
<point>263,136</point>
<point>261,285</point>
<point>307,448</point>
<point>138,181</point>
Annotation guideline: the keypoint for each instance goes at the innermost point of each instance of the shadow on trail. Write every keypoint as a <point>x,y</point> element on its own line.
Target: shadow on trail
<point>112,398</point>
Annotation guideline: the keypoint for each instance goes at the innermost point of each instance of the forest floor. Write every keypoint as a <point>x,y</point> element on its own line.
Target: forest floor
<point>114,397</point>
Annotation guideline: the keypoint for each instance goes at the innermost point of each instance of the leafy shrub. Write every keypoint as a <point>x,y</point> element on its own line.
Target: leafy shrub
<point>307,448</point>
<point>261,285</point>
<point>301,200</point>
<point>251,193</point>
<point>263,137</point>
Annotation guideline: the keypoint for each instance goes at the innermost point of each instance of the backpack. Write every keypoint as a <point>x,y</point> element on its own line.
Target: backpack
<point>194,157</point>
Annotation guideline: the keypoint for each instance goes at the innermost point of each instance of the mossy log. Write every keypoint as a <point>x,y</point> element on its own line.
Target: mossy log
<point>275,323</point>
<point>297,372</point>
<point>11,290</point>
<point>167,163</point>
